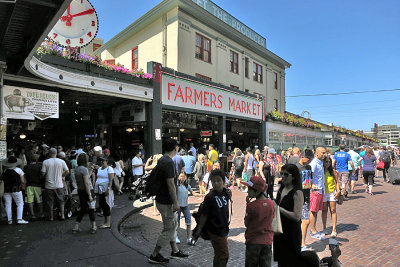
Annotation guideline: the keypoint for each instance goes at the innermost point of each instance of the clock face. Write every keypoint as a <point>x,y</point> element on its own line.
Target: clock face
<point>78,26</point>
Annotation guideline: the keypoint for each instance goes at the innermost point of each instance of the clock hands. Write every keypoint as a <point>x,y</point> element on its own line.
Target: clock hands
<point>69,17</point>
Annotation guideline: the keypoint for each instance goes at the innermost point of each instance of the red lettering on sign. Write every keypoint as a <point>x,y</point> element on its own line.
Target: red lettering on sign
<point>243,106</point>
<point>248,108</point>
<point>254,112</point>
<point>68,41</point>
<point>89,34</point>
<point>258,105</point>
<point>188,89</point>
<point>232,104</point>
<point>169,90</point>
<point>81,40</point>
<point>213,99</point>
<point>220,101</point>
<point>179,94</point>
<point>93,23</point>
<point>205,98</point>
<point>238,106</point>
<point>55,35</point>
<point>198,96</point>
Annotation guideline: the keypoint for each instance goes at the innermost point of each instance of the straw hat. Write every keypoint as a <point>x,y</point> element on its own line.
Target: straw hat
<point>12,162</point>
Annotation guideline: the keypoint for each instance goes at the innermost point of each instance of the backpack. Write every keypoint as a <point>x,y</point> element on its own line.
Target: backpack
<point>386,157</point>
<point>12,181</point>
<point>239,164</point>
<point>153,182</point>
<point>200,211</point>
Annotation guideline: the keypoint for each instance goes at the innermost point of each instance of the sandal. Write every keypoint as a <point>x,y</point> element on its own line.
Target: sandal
<point>104,226</point>
<point>93,230</point>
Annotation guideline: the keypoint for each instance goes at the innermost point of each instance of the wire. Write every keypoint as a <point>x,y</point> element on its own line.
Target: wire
<point>347,93</point>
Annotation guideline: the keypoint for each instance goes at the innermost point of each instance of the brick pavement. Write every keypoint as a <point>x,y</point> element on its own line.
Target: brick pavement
<point>368,230</point>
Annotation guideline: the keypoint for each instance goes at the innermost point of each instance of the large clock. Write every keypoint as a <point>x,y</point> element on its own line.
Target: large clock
<point>78,26</point>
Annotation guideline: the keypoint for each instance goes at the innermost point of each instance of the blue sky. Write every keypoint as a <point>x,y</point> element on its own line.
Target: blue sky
<point>333,46</point>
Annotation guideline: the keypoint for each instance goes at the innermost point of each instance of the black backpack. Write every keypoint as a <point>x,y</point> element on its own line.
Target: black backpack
<point>239,164</point>
<point>386,157</point>
<point>12,181</point>
<point>153,182</point>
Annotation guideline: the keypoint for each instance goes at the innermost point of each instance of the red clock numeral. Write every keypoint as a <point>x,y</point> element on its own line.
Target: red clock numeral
<point>93,23</point>
<point>68,41</point>
<point>89,34</point>
<point>81,41</point>
<point>55,35</point>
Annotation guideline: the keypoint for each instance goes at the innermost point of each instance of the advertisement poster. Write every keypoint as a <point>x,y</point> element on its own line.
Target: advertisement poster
<point>28,104</point>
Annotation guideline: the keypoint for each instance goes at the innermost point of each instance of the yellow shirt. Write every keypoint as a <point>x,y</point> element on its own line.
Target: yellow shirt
<point>212,156</point>
<point>330,184</point>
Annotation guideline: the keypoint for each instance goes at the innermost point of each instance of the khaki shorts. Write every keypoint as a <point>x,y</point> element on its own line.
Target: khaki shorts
<point>33,193</point>
<point>343,177</point>
<point>170,224</point>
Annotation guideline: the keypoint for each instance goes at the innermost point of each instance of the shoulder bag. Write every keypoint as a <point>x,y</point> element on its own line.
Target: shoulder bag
<point>276,222</point>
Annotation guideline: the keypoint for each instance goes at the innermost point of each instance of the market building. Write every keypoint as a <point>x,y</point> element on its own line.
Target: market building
<point>56,95</point>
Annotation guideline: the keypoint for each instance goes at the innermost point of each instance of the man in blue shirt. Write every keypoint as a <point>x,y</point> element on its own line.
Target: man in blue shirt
<point>193,149</point>
<point>189,161</point>
<point>341,161</point>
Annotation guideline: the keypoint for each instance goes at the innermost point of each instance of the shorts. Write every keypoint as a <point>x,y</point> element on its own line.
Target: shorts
<point>343,177</point>
<point>51,194</point>
<point>354,177</point>
<point>170,224</point>
<point>32,193</point>
<point>305,213</point>
<point>186,214</point>
<point>316,201</point>
<point>330,197</point>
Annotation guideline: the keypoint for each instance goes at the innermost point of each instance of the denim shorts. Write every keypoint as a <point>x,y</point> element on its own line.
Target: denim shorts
<point>186,214</point>
<point>354,177</point>
<point>305,213</point>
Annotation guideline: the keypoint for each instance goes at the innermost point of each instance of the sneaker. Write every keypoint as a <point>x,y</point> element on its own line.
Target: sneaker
<point>189,241</point>
<point>245,191</point>
<point>305,248</point>
<point>333,234</point>
<point>9,222</point>
<point>158,259</point>
<point>177,240</point>
<point>317,235</point>
<point>22,222</point>
<point>179,254</point>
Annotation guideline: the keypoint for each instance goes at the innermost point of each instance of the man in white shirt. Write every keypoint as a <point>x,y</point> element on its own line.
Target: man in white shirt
<point>137,165</point>
<point>54,170</point>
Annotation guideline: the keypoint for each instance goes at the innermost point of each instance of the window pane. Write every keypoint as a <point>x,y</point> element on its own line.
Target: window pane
<point>198,40</point>
<point>206,56</point>
<point>206,45</point>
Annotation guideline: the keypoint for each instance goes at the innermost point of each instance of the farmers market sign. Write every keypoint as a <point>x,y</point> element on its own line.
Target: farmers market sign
<point>185,93</point>
<point>28,104</point>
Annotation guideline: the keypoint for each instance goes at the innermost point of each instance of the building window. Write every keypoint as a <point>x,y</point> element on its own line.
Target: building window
<point>246,67</point>
<point>246,90</point>
<point>275,80</point>
<point>257,73</point>
<point>276,104</point>
<point>203,48</point>
<point>135,58</point>
<point>96,46</point>
<point>234,62</point>
<point>203,77</point>
<point>110,61</point>
<point>234,87</point>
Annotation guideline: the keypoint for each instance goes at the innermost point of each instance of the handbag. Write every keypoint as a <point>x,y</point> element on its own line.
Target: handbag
<point>276,222</point>
<point>115,183</point>
<point>381,165</point>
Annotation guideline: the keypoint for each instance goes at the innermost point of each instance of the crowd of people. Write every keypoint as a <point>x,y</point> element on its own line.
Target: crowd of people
<point>309,181</point>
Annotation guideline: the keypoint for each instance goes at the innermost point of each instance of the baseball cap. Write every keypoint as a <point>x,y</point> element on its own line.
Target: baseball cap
<point>256,183</point>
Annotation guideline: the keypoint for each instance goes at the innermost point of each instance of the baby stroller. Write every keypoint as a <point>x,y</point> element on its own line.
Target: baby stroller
<point>138,188</point>
<point>72,205</point>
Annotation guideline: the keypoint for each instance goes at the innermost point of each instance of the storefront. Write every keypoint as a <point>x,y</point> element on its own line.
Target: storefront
<point>69,107</point>
<point>203,113</point>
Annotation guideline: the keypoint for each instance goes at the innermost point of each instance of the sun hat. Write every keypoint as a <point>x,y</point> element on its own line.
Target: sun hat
<point>256,183</point>
<point>11,162</point>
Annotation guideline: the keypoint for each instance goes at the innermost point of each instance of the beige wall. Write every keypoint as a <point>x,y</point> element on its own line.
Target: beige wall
<point>170,40</point>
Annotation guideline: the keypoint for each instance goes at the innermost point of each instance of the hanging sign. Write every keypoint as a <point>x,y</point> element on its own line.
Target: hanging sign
<point>28,104</point>
<point>206,133</point>
<point>185,93</point>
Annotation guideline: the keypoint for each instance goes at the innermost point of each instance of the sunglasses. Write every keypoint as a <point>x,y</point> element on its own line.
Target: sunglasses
<point>285,174</point>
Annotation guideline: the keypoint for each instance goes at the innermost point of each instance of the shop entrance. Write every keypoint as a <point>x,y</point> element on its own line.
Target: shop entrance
<point>84,119</point>
<point>242,133</point>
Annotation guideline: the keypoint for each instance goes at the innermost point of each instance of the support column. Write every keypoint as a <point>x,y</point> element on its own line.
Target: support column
<point>221,134</point>
<point>154,113</point>
<point>262,132</point>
